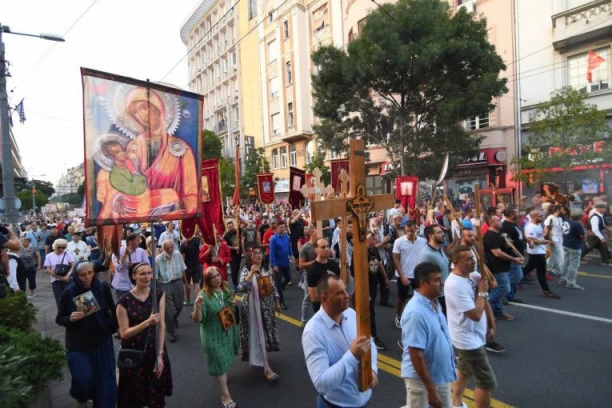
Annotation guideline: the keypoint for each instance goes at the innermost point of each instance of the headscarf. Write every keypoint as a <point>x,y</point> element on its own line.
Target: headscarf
<point>75,286</point>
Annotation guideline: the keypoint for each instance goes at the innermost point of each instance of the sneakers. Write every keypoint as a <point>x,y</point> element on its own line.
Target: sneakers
<point>574,286</point>
<point>33,295</point>
<point>379,344</point>
<point>400,345</point>
<point>397,322</point>
<point>494,347</point>
<point>562,281</point>
<point>460,406</point>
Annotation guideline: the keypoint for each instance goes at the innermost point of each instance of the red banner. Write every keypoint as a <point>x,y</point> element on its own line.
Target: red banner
<point>297,178</point>
<point>265,184</point>
<point>336,168</point>
<point>407,190</point>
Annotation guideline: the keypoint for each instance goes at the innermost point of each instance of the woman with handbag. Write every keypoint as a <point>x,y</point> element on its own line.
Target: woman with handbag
<point>58,264</point>
<point>145,378</point>
<point>214,310</point>
<point>89,343</point>
<point>258,331</point>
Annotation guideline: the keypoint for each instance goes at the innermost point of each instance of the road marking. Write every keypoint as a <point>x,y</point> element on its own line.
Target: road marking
<point>563,312</point>
<point>592,275</point>
<point>393,367</point>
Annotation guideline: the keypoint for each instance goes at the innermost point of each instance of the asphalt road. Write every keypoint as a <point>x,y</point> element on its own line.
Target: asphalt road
<point>558,355</point>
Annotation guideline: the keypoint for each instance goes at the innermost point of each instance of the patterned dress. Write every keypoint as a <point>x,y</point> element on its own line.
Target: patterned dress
<point>220,346</point>
<point>139,387</point>
<point>268,318</point>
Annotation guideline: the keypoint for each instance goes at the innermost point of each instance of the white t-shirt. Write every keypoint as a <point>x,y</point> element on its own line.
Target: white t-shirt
<point>460,294</point>
<point>409,254</point>
<point>535,231</point>
<point>554,223</point>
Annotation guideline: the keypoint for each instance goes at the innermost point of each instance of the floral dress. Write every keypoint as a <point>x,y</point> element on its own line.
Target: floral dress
<point>139,387</point>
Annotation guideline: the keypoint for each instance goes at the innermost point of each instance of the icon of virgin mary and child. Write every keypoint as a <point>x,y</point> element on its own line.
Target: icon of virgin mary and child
<point>145,171</point>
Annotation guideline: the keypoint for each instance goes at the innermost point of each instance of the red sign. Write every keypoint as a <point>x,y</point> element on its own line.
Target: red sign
<point>492,156</point>
<point>596,147</point>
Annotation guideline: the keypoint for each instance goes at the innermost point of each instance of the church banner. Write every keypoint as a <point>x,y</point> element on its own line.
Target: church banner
<point>336,168</point>
<point>407,190</point>
<point>142,150</point>
<point>265,183</point>
<point>297,178</point>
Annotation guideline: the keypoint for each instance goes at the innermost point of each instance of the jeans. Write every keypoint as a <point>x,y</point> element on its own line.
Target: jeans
<point>416,394</point>
<point>555,261</point>
<point>373,284</point>
<point>516,274</point>
<point>306,306</point>
<point>321,403</point>
<point>572,262</point>
<point>283,272</point>
<point>502,289</point>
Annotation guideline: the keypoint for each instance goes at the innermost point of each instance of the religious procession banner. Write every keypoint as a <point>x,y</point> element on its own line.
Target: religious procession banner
<point>297,178</point>
<point>336,168</point>
<point>265,184</point>
<point>142,150</point>
<point>407,190</point>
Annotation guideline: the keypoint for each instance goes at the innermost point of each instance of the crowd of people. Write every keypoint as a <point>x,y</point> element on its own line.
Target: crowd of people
<point>450,292</point>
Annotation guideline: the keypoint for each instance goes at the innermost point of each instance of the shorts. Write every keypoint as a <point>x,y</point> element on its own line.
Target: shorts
<point>475,363</point>
<point>404,290</point>
<point>193,275</point>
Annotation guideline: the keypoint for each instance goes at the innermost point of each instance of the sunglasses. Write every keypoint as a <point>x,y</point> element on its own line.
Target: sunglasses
<point>61,247</point>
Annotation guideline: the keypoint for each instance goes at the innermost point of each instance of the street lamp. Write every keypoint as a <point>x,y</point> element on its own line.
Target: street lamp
<point>8,186</point>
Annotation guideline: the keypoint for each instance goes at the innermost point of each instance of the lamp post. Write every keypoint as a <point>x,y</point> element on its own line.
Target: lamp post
<point>10,208</point>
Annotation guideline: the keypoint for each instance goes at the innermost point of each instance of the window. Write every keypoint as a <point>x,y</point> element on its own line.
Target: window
<point>577,72</point>
<point>286,29</point>
<point>333,155</point>
<point>292,155</point>
<point>274,87</point>
<point>271,16</point>
<point>320,19</point>
<point>276,125</point>
<point>288,71</point>
<point>283,157</point>
<point>275,159</point>
<point>360,24</point>
<point>252,9</point>
<point>272,51</point>
<point>290,119</point>
<point>477,122</point>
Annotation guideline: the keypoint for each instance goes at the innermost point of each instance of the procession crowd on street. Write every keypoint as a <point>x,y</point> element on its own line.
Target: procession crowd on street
<point>451,291</point>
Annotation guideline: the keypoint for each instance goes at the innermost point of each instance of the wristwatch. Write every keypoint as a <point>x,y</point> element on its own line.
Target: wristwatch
<point>484,295</point>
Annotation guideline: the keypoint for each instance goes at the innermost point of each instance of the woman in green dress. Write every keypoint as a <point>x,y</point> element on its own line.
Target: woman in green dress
<point>220,343</point>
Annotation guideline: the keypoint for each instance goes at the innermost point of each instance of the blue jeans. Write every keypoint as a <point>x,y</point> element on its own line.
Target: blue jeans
<point>321,403</point>
<point>281,279</point>
<point>516,274</point>
<point>502,289</point>
<point>572,262</point>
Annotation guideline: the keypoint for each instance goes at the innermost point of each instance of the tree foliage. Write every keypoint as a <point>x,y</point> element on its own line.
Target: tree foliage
<point>26,199</point>
<point>318,161</point>
<point>255,163</point>
<point>562,134</point>
<point>409,79</point>
<point>213,149</point>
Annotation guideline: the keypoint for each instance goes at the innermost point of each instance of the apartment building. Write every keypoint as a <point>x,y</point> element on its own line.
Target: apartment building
<point>554,39</point>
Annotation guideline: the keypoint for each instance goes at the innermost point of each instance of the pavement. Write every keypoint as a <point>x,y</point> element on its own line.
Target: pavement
<point>557,354</point>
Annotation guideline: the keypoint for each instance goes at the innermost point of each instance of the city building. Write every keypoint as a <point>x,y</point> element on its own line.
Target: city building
<point>18,169</point>
<point>70,181</point>
<point>554,39</point>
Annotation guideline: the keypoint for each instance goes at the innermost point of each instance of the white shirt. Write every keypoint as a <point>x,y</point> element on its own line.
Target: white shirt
<point>409,254</point>
<point>460,294</point>
<point>12,277</point>
<point>535,231</point>
<point>166,236</point>
<point>594,221</point>
<point>78,250</point>
<point>554,223</point>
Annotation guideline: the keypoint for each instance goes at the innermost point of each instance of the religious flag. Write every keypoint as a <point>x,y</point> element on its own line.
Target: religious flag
<point>297,178</point>
<point>593,62</point>
<point>407,190</point>
<point>129,179</point>
<point>21,111</point>
<point>265,184</point>
<point>336,168</point>
<point>212,208</point>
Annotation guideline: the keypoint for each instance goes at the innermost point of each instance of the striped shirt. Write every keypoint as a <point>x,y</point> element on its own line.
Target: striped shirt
<point>171,269</point>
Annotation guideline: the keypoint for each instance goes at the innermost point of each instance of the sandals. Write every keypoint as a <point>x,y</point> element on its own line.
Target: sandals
<point>230,404</point>
<point>271,376</point>
<point>551,295</point>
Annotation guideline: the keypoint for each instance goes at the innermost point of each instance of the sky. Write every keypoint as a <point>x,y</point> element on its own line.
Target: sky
<point>135,38</point>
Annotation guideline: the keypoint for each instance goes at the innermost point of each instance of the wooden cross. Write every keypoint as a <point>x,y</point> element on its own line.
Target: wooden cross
<point>316,192</point>
<point>344,178</point>
<point>359,205</point>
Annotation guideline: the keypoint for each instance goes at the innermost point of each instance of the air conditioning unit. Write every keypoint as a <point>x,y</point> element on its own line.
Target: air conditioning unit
<point>468,5</point>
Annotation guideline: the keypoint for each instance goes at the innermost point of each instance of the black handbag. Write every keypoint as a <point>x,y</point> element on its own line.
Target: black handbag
<point>131,358</point>
<point>61,269</point>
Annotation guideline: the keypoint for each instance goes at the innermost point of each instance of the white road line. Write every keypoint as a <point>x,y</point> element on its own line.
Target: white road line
<point>563,312</point>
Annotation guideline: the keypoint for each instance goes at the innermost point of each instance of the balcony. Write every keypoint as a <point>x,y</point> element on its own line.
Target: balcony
<point>585,24</point>
<point>220,127</point>
<point>296,137</point>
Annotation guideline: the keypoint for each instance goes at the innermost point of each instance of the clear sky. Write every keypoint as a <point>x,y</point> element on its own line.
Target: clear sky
<point>135,38</point>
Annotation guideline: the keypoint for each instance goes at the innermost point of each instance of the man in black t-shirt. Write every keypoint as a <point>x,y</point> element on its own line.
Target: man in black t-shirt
<point>233,243</point>
<point>190,249</point>
<point>263,227</point>
<point>51,239</point>
<point>322,266</point>
<point>376,270</point>
<point>498,256</point>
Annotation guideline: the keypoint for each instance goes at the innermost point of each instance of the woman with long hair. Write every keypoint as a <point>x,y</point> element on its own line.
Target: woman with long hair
<point>258,331</point>
<point>87,310</point>
<point>150,382</point>
<point>213,306</point>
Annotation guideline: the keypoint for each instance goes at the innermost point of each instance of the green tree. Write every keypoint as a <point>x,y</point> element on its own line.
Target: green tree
<point>81,189</point>
<point>26,199</point>
<point>413,74</point>
<point>213,149</point>
<point>318,161</point>
<point>562,133</point>
<point>255,163</point>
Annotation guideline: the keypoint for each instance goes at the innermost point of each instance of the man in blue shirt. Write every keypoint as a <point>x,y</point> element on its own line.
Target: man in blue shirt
<point>573,239</point>
<point>332,349</point>
<point>280,255</point>
<point>428,364</point>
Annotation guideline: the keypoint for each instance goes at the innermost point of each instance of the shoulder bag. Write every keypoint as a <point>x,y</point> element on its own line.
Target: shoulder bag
<point>61,269</point>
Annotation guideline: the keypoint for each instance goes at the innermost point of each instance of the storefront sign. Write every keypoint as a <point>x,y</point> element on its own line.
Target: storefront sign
<point>596,147</point>
<point>493,156</point>
<point>281,186</point>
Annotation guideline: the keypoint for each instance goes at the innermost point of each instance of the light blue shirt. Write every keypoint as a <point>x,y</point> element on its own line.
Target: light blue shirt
<point>426,329</point>
<point>32,236</point>
<point>169,269</point>
<point>436,257</point>
<point>333,369</point>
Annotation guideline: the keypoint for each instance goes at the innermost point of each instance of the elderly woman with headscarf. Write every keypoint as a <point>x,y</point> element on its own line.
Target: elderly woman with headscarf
<point>59,256</point>
<point>87,310</point>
